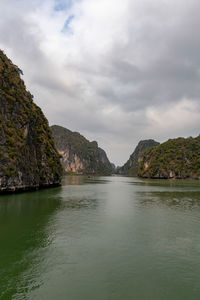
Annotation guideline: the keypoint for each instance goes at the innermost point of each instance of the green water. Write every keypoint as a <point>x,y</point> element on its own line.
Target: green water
<point>105,238</point>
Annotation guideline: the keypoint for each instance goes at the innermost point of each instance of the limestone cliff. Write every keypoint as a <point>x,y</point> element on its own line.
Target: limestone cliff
<point>131,166</point>
<point>177,158</point>
<point>80,155</point>
<point>28,157</point>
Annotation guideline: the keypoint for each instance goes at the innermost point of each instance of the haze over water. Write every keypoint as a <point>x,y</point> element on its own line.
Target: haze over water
<point>102,238</point>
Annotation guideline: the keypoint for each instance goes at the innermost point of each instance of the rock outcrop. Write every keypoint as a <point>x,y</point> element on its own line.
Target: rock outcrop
<point>80,155</point>
<point>130,168</point>
<point>28,157</point>
<point>177,158</point>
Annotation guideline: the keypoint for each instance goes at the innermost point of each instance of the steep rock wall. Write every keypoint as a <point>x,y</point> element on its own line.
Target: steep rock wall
<point>28,157</point>
<point>131,166</point>
<point>177,158</point>
<point>80,155</point>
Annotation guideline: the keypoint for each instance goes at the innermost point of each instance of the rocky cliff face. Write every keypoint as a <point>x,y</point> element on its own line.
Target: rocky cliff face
<point>28,157</point>
<point>131,166</point>
<point>80,155</point>
<point>177,158</point>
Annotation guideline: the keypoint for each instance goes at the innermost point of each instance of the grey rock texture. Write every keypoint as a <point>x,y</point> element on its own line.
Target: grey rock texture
<point>80,155</point>
<point>28,157</point>
<point>176,158</point>
<point>131,166</point>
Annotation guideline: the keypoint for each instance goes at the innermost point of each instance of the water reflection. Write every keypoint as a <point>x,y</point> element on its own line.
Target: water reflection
<point>182,194</point>
<point>25,232</point>
<point>98,180</point>
<point>80,180</point>
<point>185,200</point>
<point>88,240</point>
<point>73,180</point>
<point>178,183</point>
<point>80,203</point>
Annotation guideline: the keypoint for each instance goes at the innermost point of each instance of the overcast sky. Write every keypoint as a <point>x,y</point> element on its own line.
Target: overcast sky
<point>117,71</point>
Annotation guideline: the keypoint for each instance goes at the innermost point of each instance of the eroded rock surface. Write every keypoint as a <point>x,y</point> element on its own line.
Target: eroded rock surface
<point>177,158</point>
<point>131,166</point>
<point>28,157</point>
<point>80,155</point>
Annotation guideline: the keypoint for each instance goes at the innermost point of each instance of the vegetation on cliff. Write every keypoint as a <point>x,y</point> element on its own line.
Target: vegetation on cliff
<point>176,158</point>
<point>80,155</point>
<point>28,157</point>
<point>130,168</point>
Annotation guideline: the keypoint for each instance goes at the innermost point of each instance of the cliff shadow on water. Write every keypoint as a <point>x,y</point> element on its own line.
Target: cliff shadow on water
<point>26,230</point>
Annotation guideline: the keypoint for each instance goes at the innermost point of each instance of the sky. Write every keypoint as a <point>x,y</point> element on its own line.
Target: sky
<point>117,71</point>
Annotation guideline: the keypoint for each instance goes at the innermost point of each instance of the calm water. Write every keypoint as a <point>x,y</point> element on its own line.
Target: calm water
<point>105,238</point>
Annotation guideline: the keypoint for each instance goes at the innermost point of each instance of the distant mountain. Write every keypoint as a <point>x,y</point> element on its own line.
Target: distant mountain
<point>80,155</point>
<point>113,167</point>
<point>130,168</point>
<point>28,157</point>
<point>176,158</point>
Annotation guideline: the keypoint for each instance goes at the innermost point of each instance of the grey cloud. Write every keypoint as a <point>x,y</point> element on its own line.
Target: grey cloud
<point>174,71</point>
<point>158,66</point>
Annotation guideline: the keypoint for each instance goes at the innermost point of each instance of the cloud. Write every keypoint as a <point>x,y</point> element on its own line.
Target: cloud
<point>116,71</point>
<point>181,117</point>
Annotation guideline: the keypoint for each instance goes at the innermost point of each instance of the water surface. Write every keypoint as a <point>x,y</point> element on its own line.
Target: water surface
<point>102,238</point>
